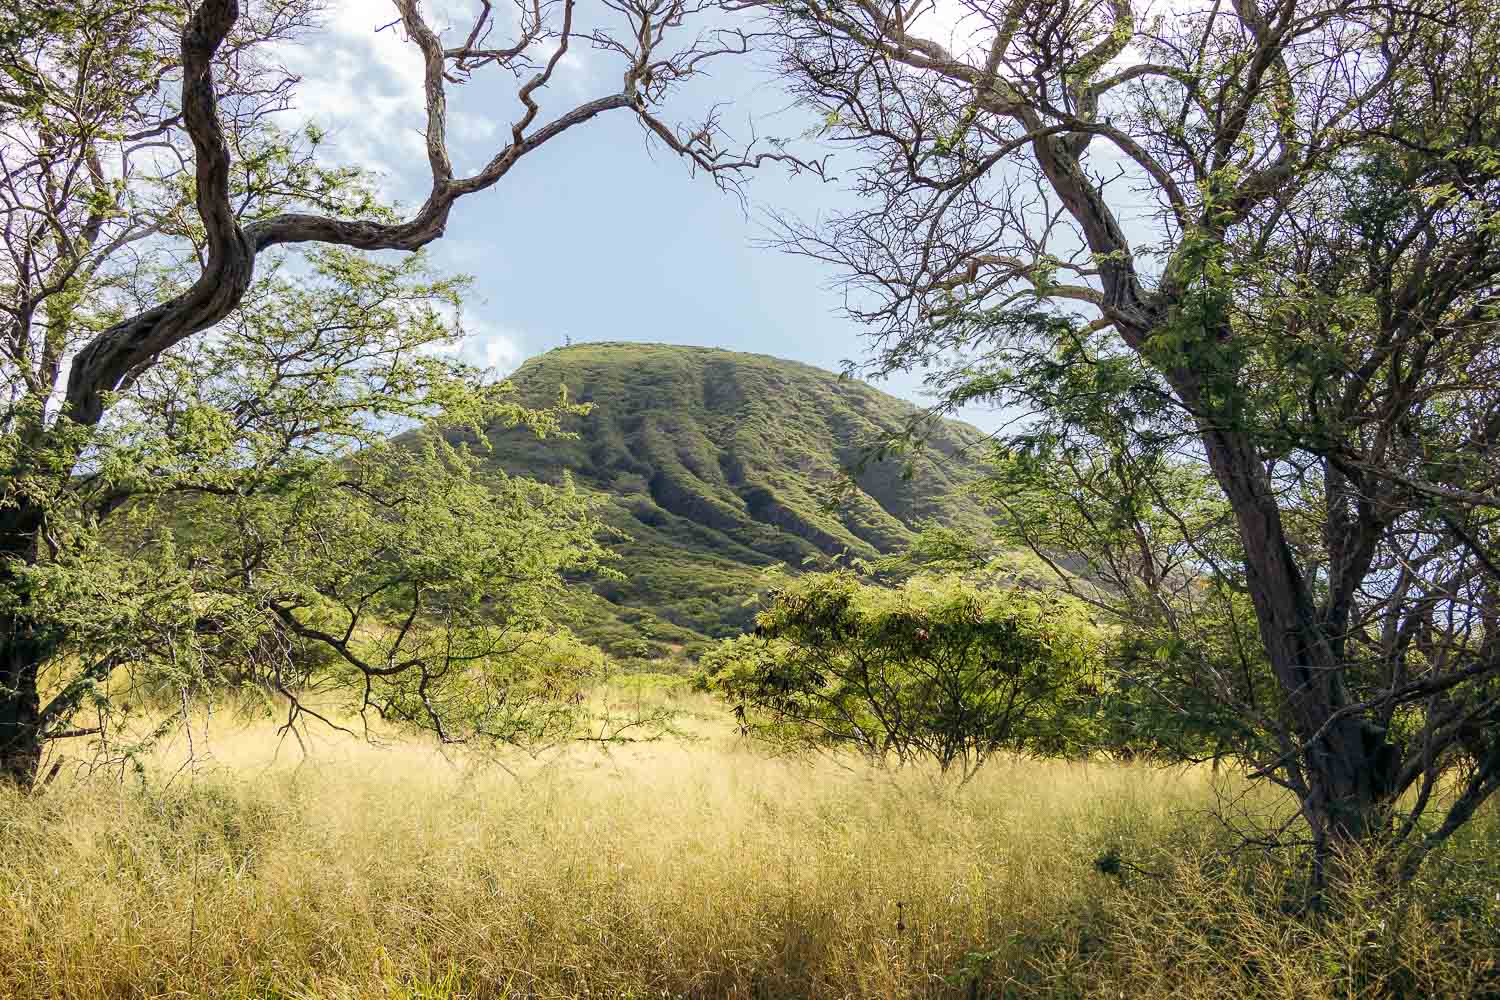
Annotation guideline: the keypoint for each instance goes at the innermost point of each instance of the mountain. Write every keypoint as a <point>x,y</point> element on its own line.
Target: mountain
<point>717,465</point>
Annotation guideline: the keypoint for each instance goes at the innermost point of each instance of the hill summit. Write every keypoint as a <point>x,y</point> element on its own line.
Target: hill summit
<point>717,465</point>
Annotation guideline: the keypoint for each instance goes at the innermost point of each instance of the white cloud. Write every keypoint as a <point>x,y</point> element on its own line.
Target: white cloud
<point>364,87</point>
<point>491,347</point>
<point>966,27</point>
<point>361,81</point>
<point>486,345</point>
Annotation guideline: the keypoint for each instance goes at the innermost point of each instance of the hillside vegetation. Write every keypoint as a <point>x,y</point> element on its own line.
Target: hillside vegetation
<point>716,465</point>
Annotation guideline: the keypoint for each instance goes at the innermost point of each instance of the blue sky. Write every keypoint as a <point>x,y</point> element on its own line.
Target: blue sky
<point>597,235</point>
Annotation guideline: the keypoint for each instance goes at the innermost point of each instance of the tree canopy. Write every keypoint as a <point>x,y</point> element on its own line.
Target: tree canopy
<point>1238,263</point>
<point>150,191</point>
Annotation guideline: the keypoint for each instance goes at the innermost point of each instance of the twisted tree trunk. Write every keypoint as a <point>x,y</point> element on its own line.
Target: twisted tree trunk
<point>1341,764</point>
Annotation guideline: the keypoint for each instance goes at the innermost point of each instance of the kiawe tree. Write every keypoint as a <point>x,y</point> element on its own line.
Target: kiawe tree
<point>243,518</point>
<point>143,180</point>
<point>1252,244</point>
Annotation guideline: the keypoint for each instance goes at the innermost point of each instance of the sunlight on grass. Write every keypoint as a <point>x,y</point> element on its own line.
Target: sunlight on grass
<point>678,868</point>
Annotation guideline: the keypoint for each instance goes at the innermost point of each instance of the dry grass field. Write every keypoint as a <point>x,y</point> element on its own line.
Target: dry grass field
<point>689,867</point>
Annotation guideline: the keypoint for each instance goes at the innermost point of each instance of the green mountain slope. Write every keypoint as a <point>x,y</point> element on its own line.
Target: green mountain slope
<point>717,465</point>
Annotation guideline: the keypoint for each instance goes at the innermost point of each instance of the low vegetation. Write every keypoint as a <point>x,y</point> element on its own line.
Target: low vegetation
<point>688,867</point>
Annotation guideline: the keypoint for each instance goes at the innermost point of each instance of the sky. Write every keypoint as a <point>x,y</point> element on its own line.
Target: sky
<point>598,235</point>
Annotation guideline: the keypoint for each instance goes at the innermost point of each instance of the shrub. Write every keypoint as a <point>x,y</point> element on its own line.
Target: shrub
<point>935,668</point>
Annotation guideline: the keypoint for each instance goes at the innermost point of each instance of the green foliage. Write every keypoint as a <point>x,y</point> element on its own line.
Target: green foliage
<point>935,668</point>
<point>716,465</point>
<point>1149,543</point>
<point>241,517</point>
<point>1254,429</point>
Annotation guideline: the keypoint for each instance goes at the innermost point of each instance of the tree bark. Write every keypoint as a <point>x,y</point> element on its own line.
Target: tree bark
<point>20,706</point>
<point>1341,763</point>
<point>23,650</point>
<point>1345,765</point>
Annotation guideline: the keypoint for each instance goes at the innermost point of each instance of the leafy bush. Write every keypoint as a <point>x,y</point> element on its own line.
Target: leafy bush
<point>935,668</point>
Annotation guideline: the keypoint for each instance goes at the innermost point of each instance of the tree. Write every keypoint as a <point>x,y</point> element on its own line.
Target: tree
<point>1307,320</point>
<point>1174,684</point>
<point>143,178</point>
<point>244,519</point>
<point>935,668</point>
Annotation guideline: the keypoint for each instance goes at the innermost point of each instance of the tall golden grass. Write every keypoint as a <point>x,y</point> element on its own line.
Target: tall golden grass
<point>682,868</point>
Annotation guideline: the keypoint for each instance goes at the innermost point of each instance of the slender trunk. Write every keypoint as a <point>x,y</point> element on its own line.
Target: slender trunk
<point>1344,762</point>
<point>1346,766</point>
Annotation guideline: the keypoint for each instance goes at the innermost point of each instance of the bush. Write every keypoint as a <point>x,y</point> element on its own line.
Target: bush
<point>935,668</point>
